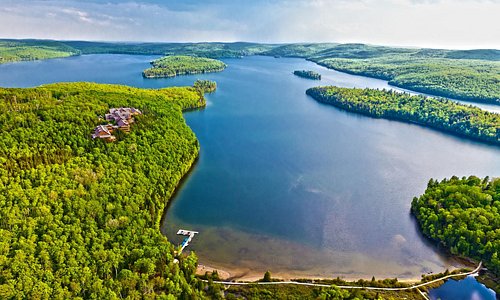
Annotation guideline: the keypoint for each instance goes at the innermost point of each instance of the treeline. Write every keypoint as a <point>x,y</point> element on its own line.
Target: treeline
<point>463,214</point>
<point>446,115</point>
<point>308,74</point>
<point>171,66</point>
<point>25,50</point>
<point>79,218</point>
<point>272,292</point>
<point>211,50</point>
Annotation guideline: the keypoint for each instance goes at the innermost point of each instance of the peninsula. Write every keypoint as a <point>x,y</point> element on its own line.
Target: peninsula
<point>98,205</point>
<point>462,214</point>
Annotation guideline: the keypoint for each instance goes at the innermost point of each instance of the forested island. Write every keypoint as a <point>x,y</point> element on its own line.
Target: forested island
<point>308,74</point>
<point>205,86</point>
<point>463,215</point>
<point>171,66</point>
<point>442,114</point>
<point>80,217</point>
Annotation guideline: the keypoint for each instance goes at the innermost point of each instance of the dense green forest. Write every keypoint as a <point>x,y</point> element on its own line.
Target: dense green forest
<point>23,50</point>
<point>211,50</point>
<point>308,74</point>
<point>446,115</point>
<point>171,66</point>
<point>80,217</point>
<point>205,86</point>
<point>460,79</point>
<point>298,50</point>
<point>463,214</point>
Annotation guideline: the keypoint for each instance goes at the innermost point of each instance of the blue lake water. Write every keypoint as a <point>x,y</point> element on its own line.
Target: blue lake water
<point>466,289</point>
<point>289,185</point>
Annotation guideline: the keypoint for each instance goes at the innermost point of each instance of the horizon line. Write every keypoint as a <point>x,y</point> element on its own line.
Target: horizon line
<point>247,42</point>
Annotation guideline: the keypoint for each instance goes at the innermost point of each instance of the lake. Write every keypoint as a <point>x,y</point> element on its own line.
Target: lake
<point>286,184</point>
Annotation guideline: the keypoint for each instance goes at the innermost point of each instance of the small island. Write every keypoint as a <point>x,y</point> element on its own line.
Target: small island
<point>439,113</point>
<point>205,86</point>
<point>308,74</point>
<point>174,65</point>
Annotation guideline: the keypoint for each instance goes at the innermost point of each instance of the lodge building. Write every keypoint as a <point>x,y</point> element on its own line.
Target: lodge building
<point>122,118</point>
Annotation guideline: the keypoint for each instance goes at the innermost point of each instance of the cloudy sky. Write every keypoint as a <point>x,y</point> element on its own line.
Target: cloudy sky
<point>428,23</point>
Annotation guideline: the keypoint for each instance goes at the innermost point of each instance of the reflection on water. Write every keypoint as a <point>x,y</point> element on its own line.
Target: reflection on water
<point>466,289</point>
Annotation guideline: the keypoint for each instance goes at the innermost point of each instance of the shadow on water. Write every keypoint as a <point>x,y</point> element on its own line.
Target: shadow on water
<point>438,248</point>
<point>177,189</point>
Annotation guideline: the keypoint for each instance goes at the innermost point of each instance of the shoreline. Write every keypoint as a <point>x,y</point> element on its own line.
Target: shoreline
<point>244,274</point>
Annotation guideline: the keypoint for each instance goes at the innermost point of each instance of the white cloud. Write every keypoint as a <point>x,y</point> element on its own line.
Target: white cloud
<point>430,23</point>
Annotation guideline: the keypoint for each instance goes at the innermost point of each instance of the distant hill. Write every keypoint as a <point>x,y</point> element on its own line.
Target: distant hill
<point>484,54</point>
<point>472,75</point>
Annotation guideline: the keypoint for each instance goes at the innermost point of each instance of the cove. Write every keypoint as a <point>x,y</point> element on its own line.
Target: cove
<point>286,184</point>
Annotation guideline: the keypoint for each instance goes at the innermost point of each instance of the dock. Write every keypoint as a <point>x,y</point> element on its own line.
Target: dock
<point>189,237</point>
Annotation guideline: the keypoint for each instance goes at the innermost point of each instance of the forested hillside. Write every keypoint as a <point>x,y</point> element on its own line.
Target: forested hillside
<point>472,75</point>
<point>22,50</point>
<point>211,50</point>
<point>80,217</point>
<point>170,66</point>
<point>446,115</point>
<point>463,214</point>
<point>459,79</point>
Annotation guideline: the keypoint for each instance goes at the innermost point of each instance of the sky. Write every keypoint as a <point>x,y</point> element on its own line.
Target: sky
<point>454,24</point>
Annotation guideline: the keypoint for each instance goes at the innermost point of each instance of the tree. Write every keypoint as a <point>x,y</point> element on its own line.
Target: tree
<point>267,277</point>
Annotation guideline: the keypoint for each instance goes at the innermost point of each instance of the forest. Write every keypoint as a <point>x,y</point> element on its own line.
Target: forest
<point>458,79</point>
<point>210,50</point>
<point>171,66</point>
<point>79,218</point>
<point>463,215</point>
<point>25,50</point>
<point>308,74</point>
<point>438,113</point>
<point>472,75</point>
<point>205,86</point>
